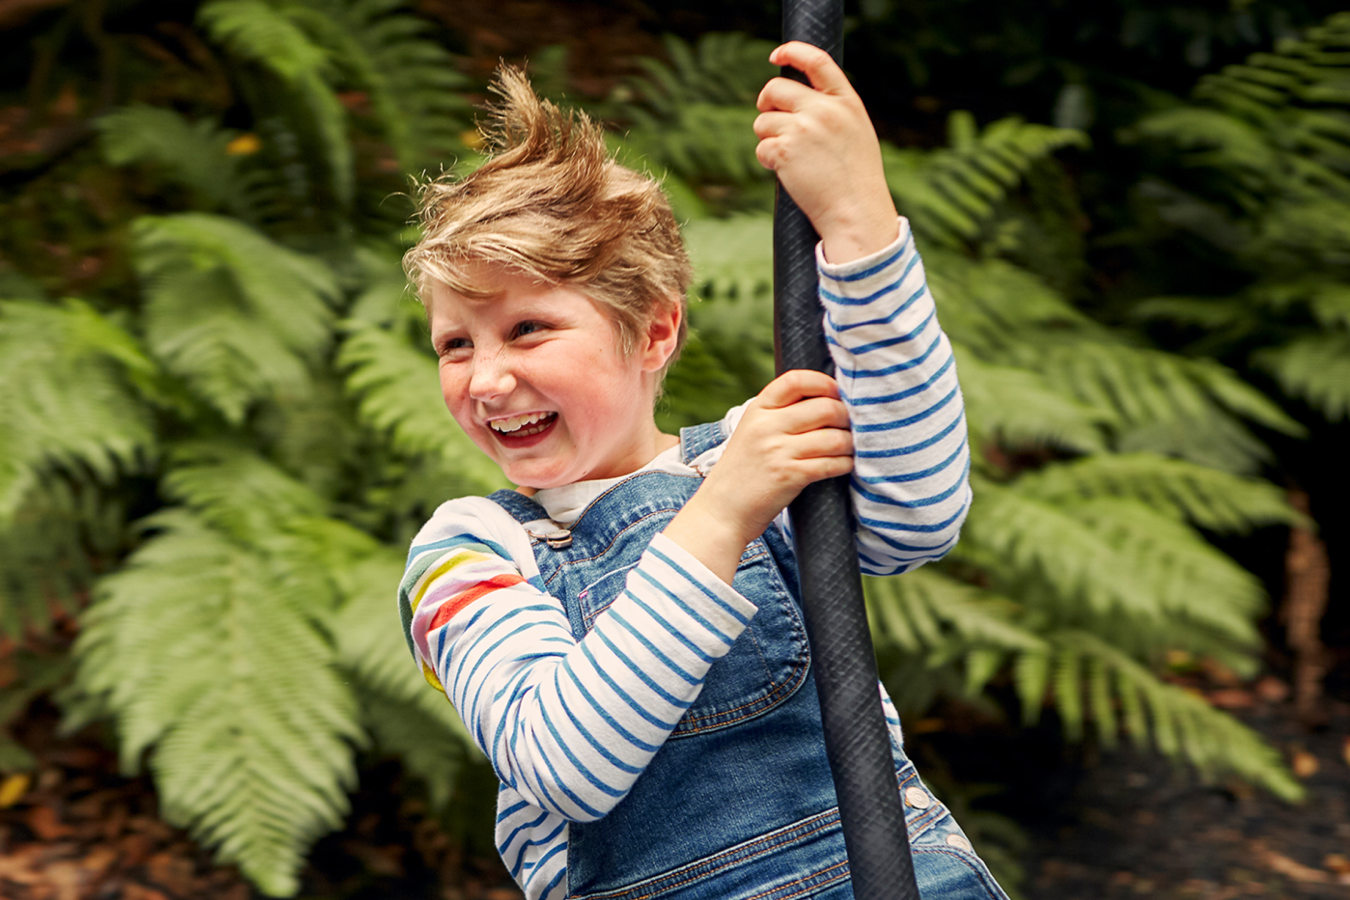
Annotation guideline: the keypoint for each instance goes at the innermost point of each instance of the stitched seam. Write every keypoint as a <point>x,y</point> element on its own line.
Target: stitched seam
<point>838,876</point>
<point>739,854</point>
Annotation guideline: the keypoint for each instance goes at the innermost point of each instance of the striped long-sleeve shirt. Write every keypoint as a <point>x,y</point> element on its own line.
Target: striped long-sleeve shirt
<point>570,724</point>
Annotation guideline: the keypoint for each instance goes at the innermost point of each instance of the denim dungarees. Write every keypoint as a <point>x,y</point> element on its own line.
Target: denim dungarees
<point>739,803</point>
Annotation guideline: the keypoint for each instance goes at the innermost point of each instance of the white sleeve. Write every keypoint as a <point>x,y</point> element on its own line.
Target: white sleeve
<point>896,372</point>
<point>568,724</point>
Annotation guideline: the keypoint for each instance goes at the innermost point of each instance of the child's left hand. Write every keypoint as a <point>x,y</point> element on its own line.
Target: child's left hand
<point>820,142</point>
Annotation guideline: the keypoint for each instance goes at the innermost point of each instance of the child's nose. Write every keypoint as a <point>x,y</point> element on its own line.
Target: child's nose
<point>491,377</point>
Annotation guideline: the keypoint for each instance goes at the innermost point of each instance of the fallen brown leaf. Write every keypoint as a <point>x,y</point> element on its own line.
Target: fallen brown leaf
<point>1304,764</point>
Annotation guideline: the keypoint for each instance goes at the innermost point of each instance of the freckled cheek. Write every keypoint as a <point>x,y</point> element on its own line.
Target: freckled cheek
<point>455,392</point>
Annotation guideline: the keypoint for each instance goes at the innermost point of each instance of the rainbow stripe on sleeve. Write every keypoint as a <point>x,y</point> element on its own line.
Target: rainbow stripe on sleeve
<point>444,587</point>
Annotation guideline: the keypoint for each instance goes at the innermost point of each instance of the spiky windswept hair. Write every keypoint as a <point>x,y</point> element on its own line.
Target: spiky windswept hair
<point>552,204</point>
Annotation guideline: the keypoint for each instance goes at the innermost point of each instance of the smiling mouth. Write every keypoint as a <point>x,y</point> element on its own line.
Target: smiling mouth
<point>523,426</point>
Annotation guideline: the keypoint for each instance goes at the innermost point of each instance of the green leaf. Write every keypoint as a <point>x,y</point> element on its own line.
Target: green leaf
<point>213,654</point>
<point>75,393</point>
<point>237,316</point>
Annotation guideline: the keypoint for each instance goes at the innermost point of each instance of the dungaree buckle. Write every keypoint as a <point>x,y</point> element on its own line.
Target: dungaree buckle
<point>558,539</point>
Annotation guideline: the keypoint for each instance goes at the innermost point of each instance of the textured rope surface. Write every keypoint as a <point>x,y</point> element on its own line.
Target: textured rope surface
<point>856,738</point>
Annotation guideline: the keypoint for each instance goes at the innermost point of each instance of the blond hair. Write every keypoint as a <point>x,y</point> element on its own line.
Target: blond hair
<point>550,203</point>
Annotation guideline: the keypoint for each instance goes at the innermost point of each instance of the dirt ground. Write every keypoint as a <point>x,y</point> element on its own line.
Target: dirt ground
<point>1123,825</point>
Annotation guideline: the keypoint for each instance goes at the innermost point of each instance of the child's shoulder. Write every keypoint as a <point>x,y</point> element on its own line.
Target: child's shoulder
<point>478,520</point>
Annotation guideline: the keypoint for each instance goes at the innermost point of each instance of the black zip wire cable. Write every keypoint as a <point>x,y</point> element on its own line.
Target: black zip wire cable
<point>856,738</point>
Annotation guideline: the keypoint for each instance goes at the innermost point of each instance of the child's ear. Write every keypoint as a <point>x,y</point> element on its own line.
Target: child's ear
<point>661,336</point>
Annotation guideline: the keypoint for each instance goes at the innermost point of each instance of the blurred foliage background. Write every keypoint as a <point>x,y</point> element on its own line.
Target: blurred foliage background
<point>221,425</point>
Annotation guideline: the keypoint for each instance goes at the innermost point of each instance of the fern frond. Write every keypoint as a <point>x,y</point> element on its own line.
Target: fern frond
<point>1166,403</point>
<point>732,257</point>
<point>998,310</point>
<point>1210,498</point>
<point>1018,407</point>
<point>405,714</point>
<point>953,194</point>
<point>233,313</point>
<point>1181,724</point>
<point>1110,560</point>
<point>190,154</point>
<point>75,393</point>
<point>1314,368</point>
<point>693,114</point>
<point>214,653</point>
<point>395,387</point>
<point>235,490</point>
<point>50,551</point>
<point>381,48</point>
<point>262,35</point>
<point>927,609</point>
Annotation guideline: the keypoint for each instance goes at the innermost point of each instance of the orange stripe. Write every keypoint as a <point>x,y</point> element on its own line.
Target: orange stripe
<point>447,612</point>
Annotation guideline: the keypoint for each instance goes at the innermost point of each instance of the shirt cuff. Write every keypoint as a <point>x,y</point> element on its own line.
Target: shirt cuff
<point>856,266</point>
<point>727,605</point>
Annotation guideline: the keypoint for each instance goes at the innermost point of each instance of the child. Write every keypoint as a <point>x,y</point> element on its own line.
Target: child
<point>620,634</point>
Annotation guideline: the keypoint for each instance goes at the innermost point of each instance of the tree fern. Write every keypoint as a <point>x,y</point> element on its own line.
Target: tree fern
<point>413,89</point>
<point>261,34</point>
<point>1258,165</point>
<point>693,113</point>
<point>213,652</point>
<point>396,390</point>
<point>193,155</point>
<point>401,712</point>
<point>237,316</point>
<point>1211,498</point>
<point>1094,682</point>
<point>953,194</point>
<point>73,394</point>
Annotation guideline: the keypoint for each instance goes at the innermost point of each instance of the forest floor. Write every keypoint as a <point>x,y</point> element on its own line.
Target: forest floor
<point>1125,825</point>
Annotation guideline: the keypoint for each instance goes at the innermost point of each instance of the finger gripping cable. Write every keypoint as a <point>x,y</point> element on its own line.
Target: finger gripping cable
<point>856,738</point>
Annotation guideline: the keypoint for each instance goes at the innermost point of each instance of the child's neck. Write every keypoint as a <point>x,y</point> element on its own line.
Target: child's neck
<point>663,443</point>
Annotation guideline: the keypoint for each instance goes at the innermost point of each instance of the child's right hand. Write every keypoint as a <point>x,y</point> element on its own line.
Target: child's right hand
<point>794,432</point>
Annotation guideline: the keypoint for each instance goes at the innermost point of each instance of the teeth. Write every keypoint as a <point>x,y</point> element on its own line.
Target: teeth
<point>515,423</point>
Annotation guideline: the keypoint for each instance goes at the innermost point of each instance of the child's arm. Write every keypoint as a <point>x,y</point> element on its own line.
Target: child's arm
<point>568,725</point>
<point>896,383</point>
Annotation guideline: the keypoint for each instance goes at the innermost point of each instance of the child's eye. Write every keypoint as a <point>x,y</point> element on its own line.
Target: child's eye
<point>525,328</point>
<point>450,345</point>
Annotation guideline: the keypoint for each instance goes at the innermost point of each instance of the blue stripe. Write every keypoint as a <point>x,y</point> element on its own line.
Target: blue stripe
<point>562,873</point>
<point>590,739</point>
<point>462,539</point>
<point>572,758</point>
<point>914,504</point>
<point>719,633</point>
<point>884,320</point>
<point>879,524</point>
<point>653,649</point>
<point>891,370</point>
<point>537,842</point>
<point>511,810</point>
<point>538,864</point>
<point>608,719</point>
<point>637,671</point>
<point>562,785</point>
<point>908,392</point>
<point>910,476</point>
<point>928,550</point>
<point>910,448</point>
<point>675,632</point>
<point>506,842</point>
<point>885,342</point>
<point>909,420</point>
<point>872,270</point>
<point>732,611</point>
<point>632,704</point>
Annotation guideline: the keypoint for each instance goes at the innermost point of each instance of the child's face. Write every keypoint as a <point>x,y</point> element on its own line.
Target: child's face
<point>534,375</point>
